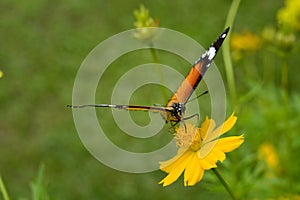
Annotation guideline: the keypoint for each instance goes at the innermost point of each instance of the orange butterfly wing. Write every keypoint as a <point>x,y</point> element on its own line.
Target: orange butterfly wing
<point>193,78</point>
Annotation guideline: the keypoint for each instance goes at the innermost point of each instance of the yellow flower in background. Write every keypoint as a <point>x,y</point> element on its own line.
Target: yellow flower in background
<point>145,24</point>
<point>245,41</point>
<point>1,74</point>
<point>268,153</point>
<point>199,149</point>
<point>288,17</point>
<point>289,197</point>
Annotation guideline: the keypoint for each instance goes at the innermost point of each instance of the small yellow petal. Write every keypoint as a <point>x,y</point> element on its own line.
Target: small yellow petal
<point>229,143</point>
<point>207,126</point>
<point>206,165</point>
<point>225,127</point>
<point>168,165</point>
<point>217,155</point>
<point>206,148</point>
<point>191,168</point>
<point>177,168</point>
<point>200,174</point>
<point>193,172</point>
<point>211,158</point>
<point>207,162</point>
<point>229,123</point>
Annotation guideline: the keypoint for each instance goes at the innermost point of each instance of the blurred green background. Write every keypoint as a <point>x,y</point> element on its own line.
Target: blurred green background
<point>43,44</point>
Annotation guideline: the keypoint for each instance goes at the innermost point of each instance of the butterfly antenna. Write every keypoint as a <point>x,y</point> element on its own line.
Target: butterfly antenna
<point>89,105</point>
<point>206,92</point>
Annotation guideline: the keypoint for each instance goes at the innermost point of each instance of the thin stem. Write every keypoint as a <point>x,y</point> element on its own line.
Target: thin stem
<point>224,183</point>
<point>284,74</point>
<point>3,190</point>
<point>267,61</point>
<point>154,55</point>
<point>226,51</point>
<point>288,136</point>
<point>158,70</point>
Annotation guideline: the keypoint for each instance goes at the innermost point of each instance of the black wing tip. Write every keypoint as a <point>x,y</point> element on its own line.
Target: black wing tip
<point>226,30</point>
<point>217,44</point>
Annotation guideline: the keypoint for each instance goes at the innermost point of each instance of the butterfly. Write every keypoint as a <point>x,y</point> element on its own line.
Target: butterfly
<point>174,111</point>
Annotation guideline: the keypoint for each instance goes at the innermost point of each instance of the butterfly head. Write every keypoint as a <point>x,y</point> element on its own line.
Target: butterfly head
<point>177,112</point>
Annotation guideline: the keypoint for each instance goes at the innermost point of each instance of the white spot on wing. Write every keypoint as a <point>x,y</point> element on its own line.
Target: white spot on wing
<point>223,35</point>
<point>211,53</point>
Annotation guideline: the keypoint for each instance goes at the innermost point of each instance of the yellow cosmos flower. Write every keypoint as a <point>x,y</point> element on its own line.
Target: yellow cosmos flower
<point>199,150</point>
<point>268,153</point>
<point>1,74</point>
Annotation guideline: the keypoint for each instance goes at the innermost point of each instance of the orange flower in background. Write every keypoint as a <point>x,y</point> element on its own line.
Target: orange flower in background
<point>199,149</point>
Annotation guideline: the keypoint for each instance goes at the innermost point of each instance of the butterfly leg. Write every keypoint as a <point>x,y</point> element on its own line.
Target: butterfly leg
<point>192,116</point>
<point>174,124</point>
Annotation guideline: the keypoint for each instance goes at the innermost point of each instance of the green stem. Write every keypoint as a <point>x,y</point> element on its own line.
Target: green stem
<point>284,74</point>
<point>224,183</point>
<point>288,135</point>
<point>268,74</point>
<point>154,55</point>
<point>226,51</point>
<point>3,190</point>
<point>158,70</point>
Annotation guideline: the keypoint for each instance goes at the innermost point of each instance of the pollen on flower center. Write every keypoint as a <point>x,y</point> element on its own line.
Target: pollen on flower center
<point>188,136</point>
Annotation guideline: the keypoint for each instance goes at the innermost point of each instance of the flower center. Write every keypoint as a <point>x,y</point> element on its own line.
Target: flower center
<point>188,136</point>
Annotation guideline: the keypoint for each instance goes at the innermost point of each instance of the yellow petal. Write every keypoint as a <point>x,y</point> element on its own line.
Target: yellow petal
<point>168,165</point>
<point>191,168</point>
<point>229,123</point>
<point>225,127</point>
<point>229,143</point>
<point>211,158</point>
<point>216,155</point>
<point>193,172</point>
<point>206,148</point>
<point>206,165</point>
<point>207,126</point>
<point>207,162</point>
<point>177,168</point>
